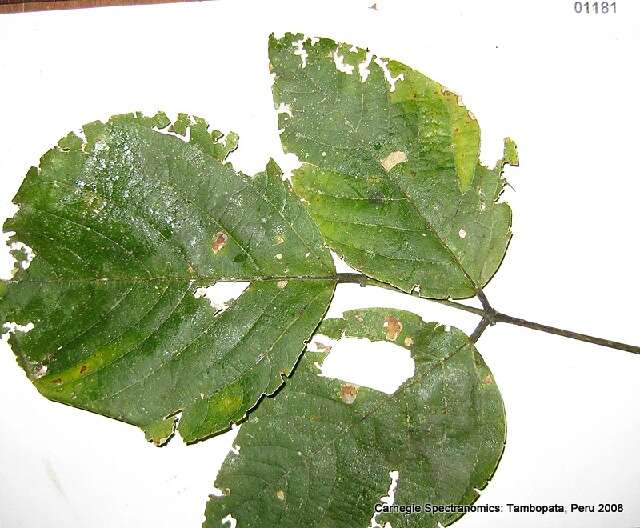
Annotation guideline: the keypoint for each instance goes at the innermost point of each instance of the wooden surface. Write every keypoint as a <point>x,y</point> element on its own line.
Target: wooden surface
<point>12,6</point>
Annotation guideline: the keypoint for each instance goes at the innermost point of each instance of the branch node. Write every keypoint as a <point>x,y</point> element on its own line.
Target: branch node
<point>489,312</point>
<point>490,316</point>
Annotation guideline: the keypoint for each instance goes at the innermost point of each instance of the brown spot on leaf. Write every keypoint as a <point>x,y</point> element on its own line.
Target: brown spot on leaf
<point>282,284</point>
<point>393,159</point>
<point>219,241</point>
<point>408,341</point>
<point>392,327</point>
<point>83,369</point>
<point>348,393</point>
<point>280,495</point>
<point>488,379</point>
<point>57,381</point>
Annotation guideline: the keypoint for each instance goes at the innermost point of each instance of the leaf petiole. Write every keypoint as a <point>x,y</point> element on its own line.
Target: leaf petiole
<point>490,316</point>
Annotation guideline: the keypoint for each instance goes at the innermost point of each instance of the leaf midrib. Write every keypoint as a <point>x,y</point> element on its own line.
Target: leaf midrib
<point>427,222</point>
<point>194,279</point>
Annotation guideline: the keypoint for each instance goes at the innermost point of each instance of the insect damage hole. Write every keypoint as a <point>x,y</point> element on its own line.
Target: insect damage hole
<point>298,49</point>
<point>22,254</point>
<point>379,365</point>
<point>221,294</point>
<point>341,66</point>
<point>387,74</point>
<point>229,521</point>
<point>284,108</point>
<point>388,500</point>
<point>363,67</point>
<point>11,327</point>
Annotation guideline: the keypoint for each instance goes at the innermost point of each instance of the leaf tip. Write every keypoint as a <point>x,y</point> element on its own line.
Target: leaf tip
<point>510,153</point>
<point>273,169</point>
<point>161,431</point>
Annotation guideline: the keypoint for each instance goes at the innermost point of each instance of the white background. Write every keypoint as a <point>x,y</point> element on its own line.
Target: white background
<point>564,86</point>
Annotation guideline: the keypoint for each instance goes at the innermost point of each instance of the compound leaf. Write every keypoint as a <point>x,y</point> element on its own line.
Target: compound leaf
<point>126,225</point>
<point>390,167</point>
<point>320,453</point>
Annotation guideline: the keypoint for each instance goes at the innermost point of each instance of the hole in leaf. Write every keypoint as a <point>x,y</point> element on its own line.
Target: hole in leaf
<point>363,67</point>
<point>299,50</point>
<point>388,500</point>
<point>221,294</point>
<point>12,328</point>
<point>22,254</point>
<point>229,521</point>
<point>387,74</point>
<point>338,60</point>
<point>379,365</point>
<point>284,108</point>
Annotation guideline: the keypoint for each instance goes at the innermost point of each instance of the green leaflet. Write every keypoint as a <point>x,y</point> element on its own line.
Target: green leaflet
<point>391,177</point>
<point>320,453</point>
<point>125,226</point>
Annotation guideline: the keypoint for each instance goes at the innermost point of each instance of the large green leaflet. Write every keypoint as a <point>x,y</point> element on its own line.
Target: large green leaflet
<point>391,174</point>
<point>320,453</point>
<point>125,226</point>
